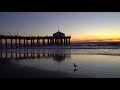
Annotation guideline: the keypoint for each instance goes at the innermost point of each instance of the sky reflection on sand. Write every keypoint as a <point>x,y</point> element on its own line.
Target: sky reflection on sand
<point>91,65</point>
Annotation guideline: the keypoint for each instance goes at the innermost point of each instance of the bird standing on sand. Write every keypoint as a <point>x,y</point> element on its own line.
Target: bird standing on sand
<point>75,65</point>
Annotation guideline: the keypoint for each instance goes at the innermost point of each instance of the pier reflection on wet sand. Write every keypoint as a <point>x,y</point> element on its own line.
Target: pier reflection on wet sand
<point>19,54</point>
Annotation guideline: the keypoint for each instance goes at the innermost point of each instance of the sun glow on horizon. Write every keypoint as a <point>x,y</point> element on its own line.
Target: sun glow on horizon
<point>96,37</point>
<point>83,26</point>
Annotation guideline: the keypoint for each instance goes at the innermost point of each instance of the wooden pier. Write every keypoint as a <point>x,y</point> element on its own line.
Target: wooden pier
<point>31,41</point>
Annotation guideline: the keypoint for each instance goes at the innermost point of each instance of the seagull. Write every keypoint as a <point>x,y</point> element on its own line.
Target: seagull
<point>75,65</point>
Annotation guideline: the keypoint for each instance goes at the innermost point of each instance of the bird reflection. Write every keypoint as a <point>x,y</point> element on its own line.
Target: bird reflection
<point>75,70</point>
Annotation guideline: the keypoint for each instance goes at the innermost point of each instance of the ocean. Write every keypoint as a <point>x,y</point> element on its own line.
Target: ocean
<point>57,61</point>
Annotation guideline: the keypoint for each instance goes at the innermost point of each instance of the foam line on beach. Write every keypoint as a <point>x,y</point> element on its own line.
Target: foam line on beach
<point>65,47</point>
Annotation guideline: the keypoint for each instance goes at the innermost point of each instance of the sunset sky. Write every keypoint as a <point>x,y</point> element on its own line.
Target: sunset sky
<point>83,26</point>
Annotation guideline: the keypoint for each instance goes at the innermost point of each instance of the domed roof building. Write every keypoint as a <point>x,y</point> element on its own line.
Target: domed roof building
<point>60,38</point>
<point>58,34</point>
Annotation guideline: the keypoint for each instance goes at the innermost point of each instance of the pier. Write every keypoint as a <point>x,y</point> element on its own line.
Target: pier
<point>58,38</point>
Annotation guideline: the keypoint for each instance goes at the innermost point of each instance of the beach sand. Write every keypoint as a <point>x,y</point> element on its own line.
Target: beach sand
<point>11,70</point>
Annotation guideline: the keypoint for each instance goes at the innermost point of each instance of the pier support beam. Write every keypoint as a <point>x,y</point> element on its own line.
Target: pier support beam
<point>16,42</point>
<point>1,43</point>
<point>24,42</point>
<point>64,41</point>
<point>69,41</point>
<point>53,41</point>
<point>19,55</point>
<point>43,41</point>
<point>16,56</point>
<point>27,55</point>
<point>11,55</point>
<point>19,42</point>
<point>1,54</point>
<point>37,41</point>
<point>61,41</point>
<point>11,43</point>
<point>27,42</point>
<point>48,41</point>
<point>24,55</point>
<point>6,43</point>
<point>31,42</point>
<point>6,55</point>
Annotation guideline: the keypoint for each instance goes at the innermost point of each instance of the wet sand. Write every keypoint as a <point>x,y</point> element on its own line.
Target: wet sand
<point>12,70</point>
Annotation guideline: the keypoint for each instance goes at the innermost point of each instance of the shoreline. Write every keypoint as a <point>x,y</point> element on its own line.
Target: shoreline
<point>65,47</point>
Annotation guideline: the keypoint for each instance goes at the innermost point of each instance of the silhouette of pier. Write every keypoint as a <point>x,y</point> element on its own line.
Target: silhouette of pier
<point>58,38</point>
